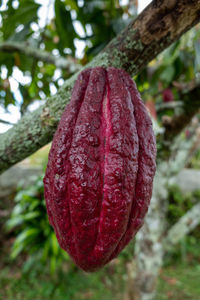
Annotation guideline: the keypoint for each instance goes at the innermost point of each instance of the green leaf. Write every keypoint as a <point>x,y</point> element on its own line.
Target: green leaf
<point>53,264</point>
<point>16,250</point>
<point>18,210</point>
<point>34,204</point>
<point>25,62</point>
<point>72,4</point>
<point>25,14</point>
<point>31,215</point>
<point>29,264</point>
<point>171,54</point>
<point>25,235</point>
<point>168,74</point>
<point>13,222</point>
<point>7,60</point>
<point>23,240</point>
<point>64,27</point>
<point>65,255</point>
<point>46,249</point>
<point>54,244</point>
<point>22,34</point>
<point>197,56</point>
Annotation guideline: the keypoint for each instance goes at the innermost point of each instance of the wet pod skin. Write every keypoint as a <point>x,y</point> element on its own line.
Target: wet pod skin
<point>99,177</point>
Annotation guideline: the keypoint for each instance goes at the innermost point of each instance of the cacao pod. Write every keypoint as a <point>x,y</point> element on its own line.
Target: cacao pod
<point>98,181</point>
<point>167,95</point>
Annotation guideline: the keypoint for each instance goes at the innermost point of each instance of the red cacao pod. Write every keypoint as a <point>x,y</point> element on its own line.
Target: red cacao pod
<point>167,96</point>
<point>98,181</point>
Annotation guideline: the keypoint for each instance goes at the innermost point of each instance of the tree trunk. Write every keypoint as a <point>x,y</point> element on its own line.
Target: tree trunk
<point>148,249</point>
<point>150,239</point>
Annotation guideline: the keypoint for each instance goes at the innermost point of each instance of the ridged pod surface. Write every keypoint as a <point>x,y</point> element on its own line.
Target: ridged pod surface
<point>99,177</point>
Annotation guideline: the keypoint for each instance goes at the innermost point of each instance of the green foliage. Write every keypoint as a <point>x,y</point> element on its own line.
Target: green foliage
<point>71,285</point>
<point>105,20</point>
<point>12,18</point>
<point>186,252</point>
<point>34,239</point>
<point>180,203</point>
<point>177,283</point>
<point>175,67</point>
<point>64,27</point>
<point>188,249</point>
<point>34,235</point>
<point>195,161</point>
<point>110,283</point>
<point>99,21</point>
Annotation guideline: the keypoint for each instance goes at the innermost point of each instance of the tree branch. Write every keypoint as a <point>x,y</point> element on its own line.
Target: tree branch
<point>168,105</point>
<point>185,225</point>
<point>173,126</point>
<point>157,27</point>
<point>190,107</point>
<point>6,122</point>
<point>24,48</point>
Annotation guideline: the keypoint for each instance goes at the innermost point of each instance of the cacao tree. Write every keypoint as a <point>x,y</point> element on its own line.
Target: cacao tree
<point>126,46</point>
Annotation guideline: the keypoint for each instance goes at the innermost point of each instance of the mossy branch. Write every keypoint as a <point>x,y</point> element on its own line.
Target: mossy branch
<point>41,55</point>
<point>157,27</point>
<point>184,226</point>
<point>190,107</point>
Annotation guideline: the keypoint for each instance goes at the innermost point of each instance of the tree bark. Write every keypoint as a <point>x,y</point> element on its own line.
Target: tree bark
<point>149,240</point>
<point>157,27</point>
<point>190,107</point>
<point>148,248</point>
<point>187,180</point>
<point>185,225</point>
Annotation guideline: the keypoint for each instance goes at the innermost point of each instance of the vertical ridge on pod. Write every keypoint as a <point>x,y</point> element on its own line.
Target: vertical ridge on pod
<point>85,170</point>
<point>56,172</point>
<point>147,164</point>
<point>121,158</point>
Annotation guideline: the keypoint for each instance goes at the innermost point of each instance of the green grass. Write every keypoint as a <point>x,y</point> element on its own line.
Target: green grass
<point>72,285</point>
<point>181,282</point>
<point>177,282</point>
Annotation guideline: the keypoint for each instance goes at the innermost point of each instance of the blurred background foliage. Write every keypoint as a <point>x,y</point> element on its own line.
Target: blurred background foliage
<point>33,265</point>
<point>30,225</point>
<point>93,22</point>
